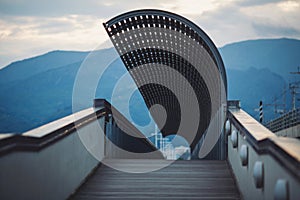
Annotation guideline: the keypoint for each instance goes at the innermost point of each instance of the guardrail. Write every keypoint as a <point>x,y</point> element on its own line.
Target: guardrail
<point>52,161</point>
<point>285,121</point>
<point>265,166</point>
<point>124,140</point>
<point>49,162</point>
<point>41,137</point>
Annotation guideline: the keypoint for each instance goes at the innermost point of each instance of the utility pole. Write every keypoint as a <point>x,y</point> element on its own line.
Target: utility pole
<point>276,105</point>
<point>298,72</point>
<point>284,99</point>
<point>293,87</point>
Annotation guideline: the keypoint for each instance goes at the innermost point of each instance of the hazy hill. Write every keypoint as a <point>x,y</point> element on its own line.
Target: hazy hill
<point>252,85</point>
<point>24,69</point>
<point>47,95</point>
<point>278,55</point>
<point>39,90</point>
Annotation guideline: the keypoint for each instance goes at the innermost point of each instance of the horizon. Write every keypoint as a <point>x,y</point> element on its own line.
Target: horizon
<point>88,51</point>
<point>33,28</point>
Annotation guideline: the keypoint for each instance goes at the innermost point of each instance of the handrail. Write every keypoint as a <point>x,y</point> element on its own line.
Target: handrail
<point>122,121</point>
<point>41,137</point>
<point>285,150</point>
<point>71,146</point>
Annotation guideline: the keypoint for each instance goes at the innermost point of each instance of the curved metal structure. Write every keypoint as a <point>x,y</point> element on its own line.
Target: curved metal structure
<point>177,66</point>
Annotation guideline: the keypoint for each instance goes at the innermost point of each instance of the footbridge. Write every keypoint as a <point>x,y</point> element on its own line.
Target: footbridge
<point>97,153</point>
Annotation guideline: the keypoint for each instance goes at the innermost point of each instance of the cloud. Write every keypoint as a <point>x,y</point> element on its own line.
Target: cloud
<point>54,26</point>
<point>226,24</point>
<point>50,8</point>
<point>55,8</point>
<point>22,37</point>
<point>233,22</point>
<point>269,30</point>
<point>275,20</point>
<point>256,2</point>
<point>289,6</point>
<point>31,27</point>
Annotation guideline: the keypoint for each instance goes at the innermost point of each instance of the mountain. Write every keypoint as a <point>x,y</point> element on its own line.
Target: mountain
<point>40,98</point>
<point>260,70</point>
<point>280,56</point>
<point>46,94</point>
<point>24,69</point>
<point>253,85</point>
<point>38,90</point>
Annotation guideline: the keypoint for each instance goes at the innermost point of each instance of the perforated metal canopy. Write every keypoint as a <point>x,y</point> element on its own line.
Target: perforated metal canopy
<point>177,69</point>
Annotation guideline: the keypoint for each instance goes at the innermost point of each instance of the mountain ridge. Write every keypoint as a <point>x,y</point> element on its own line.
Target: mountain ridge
<point>262,53</point>
<point>43,95</point>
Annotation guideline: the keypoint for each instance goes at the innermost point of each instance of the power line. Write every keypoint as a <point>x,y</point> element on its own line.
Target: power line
<point>294,86</point>
<point>298,72</point>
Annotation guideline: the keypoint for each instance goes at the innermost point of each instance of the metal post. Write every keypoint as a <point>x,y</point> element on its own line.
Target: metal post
<point>261,112</point>
<point>155,133</point>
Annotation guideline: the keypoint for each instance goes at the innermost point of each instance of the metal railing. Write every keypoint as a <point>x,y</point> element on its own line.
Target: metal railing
<point>285,121</point>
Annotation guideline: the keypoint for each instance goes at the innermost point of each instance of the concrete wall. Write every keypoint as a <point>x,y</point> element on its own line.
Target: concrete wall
<point>52,161</point>
<point>273,169</point>
<point>54,171</point>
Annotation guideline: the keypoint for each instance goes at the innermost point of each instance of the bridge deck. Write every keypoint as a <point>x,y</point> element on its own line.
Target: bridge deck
<point>180,180</point>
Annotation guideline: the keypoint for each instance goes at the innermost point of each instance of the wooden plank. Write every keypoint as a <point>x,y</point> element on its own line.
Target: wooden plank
<point>181,180</point>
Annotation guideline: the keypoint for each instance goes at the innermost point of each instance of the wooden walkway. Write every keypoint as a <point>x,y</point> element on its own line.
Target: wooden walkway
<point>181,180</point>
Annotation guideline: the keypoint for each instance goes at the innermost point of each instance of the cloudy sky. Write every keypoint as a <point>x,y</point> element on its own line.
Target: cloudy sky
<point>33,27</point>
